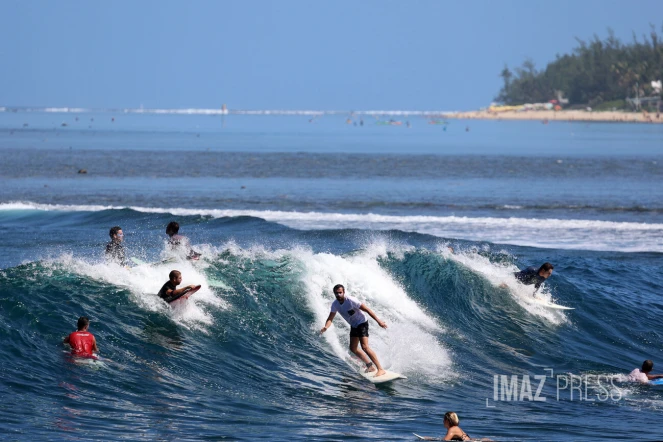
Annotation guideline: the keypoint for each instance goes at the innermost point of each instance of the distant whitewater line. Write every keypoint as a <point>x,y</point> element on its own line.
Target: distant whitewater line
<point>197,111</point>
<point>573,234</point>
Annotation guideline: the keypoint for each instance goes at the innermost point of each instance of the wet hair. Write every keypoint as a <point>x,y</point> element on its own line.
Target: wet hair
<point>647,366</point>
<point>83,322</point>
<point>172,228</point>
<point>174,274</point>
<point>338,286</point>
<point>114,230</point>
<point>452,418</point>
<point>545,267</point>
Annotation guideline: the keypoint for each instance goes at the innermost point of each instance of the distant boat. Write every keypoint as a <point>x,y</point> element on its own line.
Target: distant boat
<point>438,122</point>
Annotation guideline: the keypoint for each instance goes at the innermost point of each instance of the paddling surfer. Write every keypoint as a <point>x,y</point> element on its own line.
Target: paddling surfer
<point>82,342</point>
<point>169,292</point>
<point>531,275</point>
<point>643,374</point>
<point>353,312</point>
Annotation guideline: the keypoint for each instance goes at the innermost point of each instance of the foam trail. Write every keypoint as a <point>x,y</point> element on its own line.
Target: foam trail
<point>575,234</point>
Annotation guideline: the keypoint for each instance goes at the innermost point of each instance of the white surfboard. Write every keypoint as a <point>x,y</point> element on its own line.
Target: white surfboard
<point>547,304</point>
<point>388,376</point>
<point>427,437</point>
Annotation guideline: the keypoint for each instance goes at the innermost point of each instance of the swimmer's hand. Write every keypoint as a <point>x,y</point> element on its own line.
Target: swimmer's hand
<point>382,324</point>
<point>324,329</point>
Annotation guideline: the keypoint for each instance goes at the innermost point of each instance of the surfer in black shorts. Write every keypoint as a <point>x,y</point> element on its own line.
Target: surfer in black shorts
<point>169,292</point>
<point>179,242</point>
<point>353,312</point>
<point>531,275</point>
<point>115,249</point>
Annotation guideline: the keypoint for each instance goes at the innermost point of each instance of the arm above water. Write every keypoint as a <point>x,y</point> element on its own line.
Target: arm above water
<point>365,308</point>
<point>328,323</point>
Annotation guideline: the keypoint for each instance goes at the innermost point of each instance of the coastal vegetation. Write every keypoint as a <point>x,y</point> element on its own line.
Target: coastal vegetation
<point>600,73</point>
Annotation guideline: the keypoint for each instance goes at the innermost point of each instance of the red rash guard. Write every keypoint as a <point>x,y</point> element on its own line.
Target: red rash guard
<point>82,343</point>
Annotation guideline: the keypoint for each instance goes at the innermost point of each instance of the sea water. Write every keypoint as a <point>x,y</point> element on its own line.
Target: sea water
<point>423,224</point>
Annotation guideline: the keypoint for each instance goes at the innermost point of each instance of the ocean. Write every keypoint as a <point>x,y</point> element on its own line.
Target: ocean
<point>424,223</point>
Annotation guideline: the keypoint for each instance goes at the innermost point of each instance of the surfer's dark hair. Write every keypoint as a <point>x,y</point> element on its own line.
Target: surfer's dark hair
<point>647,366</point>
<point>172,228</point>
<point>545,267</point>
<point>114,230</point>
<point>83,322</point>
<point>338,286</point>
<point>174,274</point>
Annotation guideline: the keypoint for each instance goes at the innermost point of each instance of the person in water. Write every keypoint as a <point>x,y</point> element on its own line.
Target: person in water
<point>533,276</point>
<point>169,292</point>
<point>643,374</point>
<point>353,312</point>
<point>115,249</point>
<point>82,342</point>
<point>179,242</point>
<point>454,432</point>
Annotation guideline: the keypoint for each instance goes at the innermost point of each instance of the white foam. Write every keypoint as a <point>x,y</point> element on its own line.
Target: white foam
<point>409,344</point>
<point>207,111</point>
<point>576,234</point>
<point>145,281</point>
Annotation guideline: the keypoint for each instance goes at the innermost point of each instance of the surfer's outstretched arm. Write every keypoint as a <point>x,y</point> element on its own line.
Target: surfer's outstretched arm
<point>328,323</point>
<point>365,308</point>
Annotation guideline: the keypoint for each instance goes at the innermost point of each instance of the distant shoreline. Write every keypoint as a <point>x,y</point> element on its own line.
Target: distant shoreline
<point>563,115</point>
<point>540,115</point>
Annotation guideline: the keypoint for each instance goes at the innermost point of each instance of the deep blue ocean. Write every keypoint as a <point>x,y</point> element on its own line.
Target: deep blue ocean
<point>284,207</point>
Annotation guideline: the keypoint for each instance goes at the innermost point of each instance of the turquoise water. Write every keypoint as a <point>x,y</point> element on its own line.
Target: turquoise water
<point>282,210</point>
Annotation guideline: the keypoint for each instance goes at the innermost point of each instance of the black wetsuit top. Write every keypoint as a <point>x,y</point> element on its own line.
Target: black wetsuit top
<point>530,276</point>
<point>115,252</point>
<point>163,292</point>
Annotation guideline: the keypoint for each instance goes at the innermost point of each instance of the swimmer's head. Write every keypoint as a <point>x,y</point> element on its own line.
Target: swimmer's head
<point>546,270</point>
<point>172,228</point>
<point>452,418</point>
<point>647,366</point>
<point>174,275</point>
<point>83,323</point>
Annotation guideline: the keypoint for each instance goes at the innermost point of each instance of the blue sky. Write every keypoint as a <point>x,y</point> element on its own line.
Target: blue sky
<point>437,55</point>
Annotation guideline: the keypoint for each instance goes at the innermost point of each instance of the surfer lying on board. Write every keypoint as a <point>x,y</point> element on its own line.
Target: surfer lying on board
<point>642,375</point>
<point>169,292</point>
<point>82,341</point>
<point>533,276</point>
<point>179,242</point>
<point>353,312</point>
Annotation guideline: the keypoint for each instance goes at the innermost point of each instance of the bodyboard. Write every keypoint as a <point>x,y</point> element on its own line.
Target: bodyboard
<point>185,295</point>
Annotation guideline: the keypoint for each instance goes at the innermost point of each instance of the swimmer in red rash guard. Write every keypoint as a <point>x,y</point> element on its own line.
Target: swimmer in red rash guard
<point>82,341</point>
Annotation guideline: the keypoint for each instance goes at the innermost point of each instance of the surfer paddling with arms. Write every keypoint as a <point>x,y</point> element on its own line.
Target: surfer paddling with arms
<point>169,292</point>
<point>353,312</point>
<point>82,342</point>
<point>531,275</point>
<point>644,374</point>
